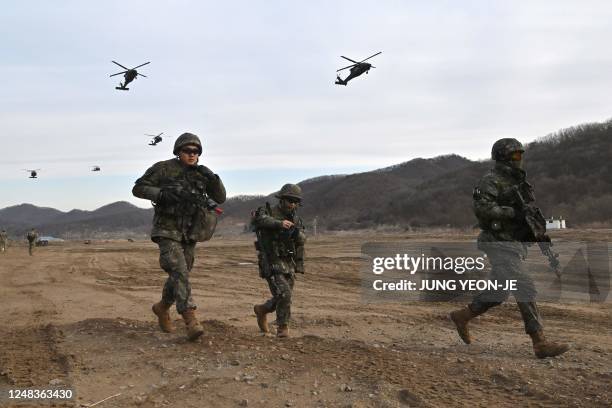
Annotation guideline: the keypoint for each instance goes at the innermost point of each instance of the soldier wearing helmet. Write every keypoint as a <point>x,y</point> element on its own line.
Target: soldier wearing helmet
<point>503,237</point>
<point>280,250</point>
<point>177,188</point>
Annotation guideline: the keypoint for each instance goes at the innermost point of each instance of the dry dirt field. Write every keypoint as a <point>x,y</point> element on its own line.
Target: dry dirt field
<point>79,316</point>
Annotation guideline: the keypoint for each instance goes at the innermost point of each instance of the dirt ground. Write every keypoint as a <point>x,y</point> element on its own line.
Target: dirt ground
<point>79,316</point>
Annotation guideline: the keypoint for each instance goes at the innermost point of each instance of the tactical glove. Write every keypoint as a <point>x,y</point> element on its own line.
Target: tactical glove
<point>168,196</point>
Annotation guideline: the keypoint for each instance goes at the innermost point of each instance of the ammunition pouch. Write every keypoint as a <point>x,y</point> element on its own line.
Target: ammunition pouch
<point>205,224</point>
<point>264,267</point>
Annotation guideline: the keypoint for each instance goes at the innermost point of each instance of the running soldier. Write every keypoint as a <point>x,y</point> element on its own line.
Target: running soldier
<point>280,252</point>
<point>179,189</point>
<point>503,237</point>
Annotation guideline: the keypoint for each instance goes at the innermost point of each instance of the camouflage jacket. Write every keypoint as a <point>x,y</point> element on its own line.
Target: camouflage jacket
<point>492,199</point>
<point>176,221</point>
<point>3,237</point>
<point>279,250</point>
<point>32,236</point>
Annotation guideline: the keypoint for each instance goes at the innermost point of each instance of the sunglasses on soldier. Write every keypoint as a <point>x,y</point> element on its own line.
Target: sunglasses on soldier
<point>292,200</point>
<point>188,150</point>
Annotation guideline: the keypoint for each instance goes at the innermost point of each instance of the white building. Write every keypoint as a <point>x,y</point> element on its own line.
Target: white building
<point>553,223</point>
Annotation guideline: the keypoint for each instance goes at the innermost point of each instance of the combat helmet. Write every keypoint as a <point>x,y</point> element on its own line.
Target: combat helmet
<point>290,191</point>
<point>186,139</point>
<point>503,148</point>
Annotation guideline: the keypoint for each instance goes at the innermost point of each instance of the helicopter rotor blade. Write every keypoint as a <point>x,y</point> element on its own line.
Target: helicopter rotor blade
<point>372,56</point>
<point>139,74</point>
<point>350,66</point>
<point>142,65</point>
<point>119,73</point>
<point>115,62</point>
<point>342,56</point>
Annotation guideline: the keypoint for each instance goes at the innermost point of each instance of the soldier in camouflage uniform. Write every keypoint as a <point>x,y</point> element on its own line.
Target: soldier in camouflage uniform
<point>3,240</point>
<point>31,236</point>
<point>280,246</point>
<point>177,187</point>
<point>503,238</point>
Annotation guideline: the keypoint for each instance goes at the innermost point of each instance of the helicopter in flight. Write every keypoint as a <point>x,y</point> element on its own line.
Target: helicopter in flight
<point>95,168</point>
<point>156,139</point>
<point>357,68</point>
<point>33,173</point>
<point>129,75</point>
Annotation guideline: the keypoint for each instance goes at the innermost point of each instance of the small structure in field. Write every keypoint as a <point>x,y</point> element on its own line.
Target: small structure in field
<point>555,223</point>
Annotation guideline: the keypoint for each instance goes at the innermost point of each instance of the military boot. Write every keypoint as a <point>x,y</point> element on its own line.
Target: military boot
<point>282,331</point>
<point>261,311</point>
<point>161,310</point>
<point>194,329</point>
<point>543,348</point>
<point>461,318</point>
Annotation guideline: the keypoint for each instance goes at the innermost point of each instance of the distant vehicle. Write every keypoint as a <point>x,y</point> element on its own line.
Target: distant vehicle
<point>46,240</point>
<point>129,75</point>
<point>357,68</point>
<point>42,242</point>
<point>33,173</point>
<point>95,168</point>
<point>156,139</point>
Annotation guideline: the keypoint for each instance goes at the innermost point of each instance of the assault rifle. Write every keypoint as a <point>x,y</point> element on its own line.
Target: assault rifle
<point>202,226</point>
<point>192,199</point>
<point>537,229</point>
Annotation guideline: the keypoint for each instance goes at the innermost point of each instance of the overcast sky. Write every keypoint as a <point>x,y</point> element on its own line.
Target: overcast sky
<point>255,80</point>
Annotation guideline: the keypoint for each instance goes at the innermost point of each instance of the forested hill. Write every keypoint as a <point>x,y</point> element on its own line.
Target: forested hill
<point>571,171</point>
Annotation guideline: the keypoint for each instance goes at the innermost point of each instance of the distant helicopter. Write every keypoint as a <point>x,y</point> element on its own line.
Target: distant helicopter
<point>33,173</point>
<point>129,74</point>
<point>156,139</point>
<point>95,168</point>
<point>357,68</point>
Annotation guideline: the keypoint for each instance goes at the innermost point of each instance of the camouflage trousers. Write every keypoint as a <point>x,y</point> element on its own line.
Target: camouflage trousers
<point>31,248</point>
<point>2,246</point>
<point>508,265</point>
<point>176,258</point>
<point>281,287</point>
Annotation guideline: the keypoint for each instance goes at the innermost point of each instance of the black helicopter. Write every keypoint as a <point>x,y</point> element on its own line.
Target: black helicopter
<point>95,168</point>
<point>156,139</point>
<point>129,75</point>
<point>357,68</point>
<point>33,173</point>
